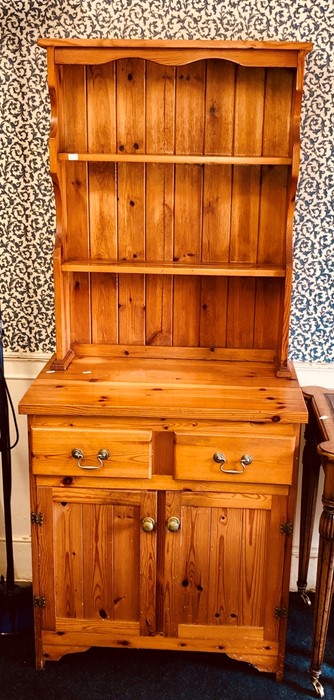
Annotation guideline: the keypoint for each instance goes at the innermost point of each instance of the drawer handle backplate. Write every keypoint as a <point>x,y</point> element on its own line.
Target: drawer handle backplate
<point>79,455</point>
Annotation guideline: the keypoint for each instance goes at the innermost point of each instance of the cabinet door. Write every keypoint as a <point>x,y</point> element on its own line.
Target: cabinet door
<point>223,569</point>
<point>96,563</point>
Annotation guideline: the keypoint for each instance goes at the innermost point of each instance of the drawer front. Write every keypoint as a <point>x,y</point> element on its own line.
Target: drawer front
<point>200,457</point>
<point>129,452</point>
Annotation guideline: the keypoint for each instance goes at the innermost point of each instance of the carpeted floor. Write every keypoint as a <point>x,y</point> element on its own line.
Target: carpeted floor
<point>124,674</point>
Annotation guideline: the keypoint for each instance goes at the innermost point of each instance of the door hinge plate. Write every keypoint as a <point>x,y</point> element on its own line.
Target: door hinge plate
<point>281,613</point>
<point>286,528</point>
<point>37,518</point>
<point>39,601</point>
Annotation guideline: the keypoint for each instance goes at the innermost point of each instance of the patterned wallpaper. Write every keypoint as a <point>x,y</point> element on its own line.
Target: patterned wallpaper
<point>27,218</point>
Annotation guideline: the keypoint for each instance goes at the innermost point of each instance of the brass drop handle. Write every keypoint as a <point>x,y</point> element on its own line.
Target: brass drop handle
<point>220,458</point>
<point>79,455</point>
<point>148,524</point>
<point>173,524</point>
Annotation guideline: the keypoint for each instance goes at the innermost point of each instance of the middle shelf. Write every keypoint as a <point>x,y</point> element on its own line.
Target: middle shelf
<point>176,159</point>
<point>166,268</point>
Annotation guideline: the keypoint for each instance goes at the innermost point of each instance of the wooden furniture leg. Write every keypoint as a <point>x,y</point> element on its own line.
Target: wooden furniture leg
<point>319,450</point>
<point>324,593</point>
<point>310,481</point>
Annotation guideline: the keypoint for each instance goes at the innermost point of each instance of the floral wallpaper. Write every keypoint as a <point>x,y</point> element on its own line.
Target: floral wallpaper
<point>27,220</point>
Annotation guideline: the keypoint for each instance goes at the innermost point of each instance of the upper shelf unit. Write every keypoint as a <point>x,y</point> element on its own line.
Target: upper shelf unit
<point>175,168</point>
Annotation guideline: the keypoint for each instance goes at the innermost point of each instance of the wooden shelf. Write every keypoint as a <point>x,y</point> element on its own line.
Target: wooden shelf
<point>175,159</point>
<point>162,268</point>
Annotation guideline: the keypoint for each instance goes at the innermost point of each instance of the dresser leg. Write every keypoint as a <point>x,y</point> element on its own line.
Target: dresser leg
<point>324,593</point>
<point>310,480</point>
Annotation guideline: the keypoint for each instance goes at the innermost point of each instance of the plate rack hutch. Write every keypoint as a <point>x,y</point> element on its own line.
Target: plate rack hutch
<point>164,432</point>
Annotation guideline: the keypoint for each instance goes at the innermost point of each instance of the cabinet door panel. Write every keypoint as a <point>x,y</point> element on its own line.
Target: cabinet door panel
<point>219,565</point>
<point>96,562</point>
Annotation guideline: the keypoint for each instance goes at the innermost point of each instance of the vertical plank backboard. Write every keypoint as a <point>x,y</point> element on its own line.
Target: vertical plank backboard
<point>103,244</point>
<point>213,311</point>
<point>131,245</point>
<point>72,112</point>
<point>271,250</point>
<point>219,121</point>
<point>277,112</point>
<point>187,249</point>
<point>243,248</point>
<point>273,209</point>
<point>249,101</point>
<point>240,312</point>
<point>101,135</point>
<point>76,245</point>
<point>190,108</point>
<point>216,213</point>
<point>190,113</point>
<point>74,194</point>
<point>245,214</point>
<point>130,106</point>
<point>160,108</point>
<point>130,138</point>
<point>219,107</point>
<point>268,313</point>
<point>160,137</point>
<point>101,108</point>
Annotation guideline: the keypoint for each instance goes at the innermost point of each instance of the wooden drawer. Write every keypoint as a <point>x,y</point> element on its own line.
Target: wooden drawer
<point>129,452</point>
<point>272,458</point>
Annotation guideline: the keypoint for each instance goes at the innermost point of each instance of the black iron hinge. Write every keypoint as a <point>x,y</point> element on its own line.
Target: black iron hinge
<point>39,601</point>
<point>286,528</point>
<point>281,613</point>
<point>37,518</point>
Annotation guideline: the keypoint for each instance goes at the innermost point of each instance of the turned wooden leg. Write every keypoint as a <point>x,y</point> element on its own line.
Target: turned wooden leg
<point>324,593</point>
<point>310,480</point>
